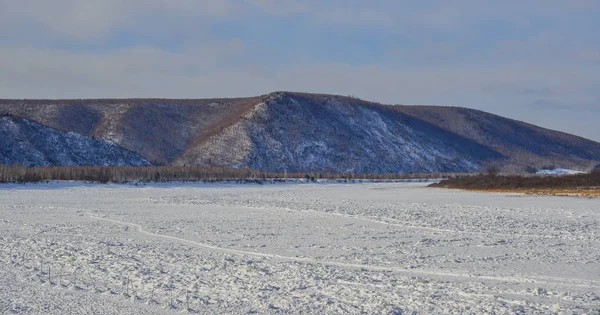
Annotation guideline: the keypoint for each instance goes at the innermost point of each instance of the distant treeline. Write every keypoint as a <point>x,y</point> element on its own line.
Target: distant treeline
<point>118,174</point>
<point>514,182</point>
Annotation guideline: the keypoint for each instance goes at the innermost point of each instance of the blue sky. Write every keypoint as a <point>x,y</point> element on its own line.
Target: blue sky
<point>537,61</point>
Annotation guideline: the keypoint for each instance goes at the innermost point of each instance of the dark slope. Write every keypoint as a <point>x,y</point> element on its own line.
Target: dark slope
<point>523,143</point>
<point>31,144</point>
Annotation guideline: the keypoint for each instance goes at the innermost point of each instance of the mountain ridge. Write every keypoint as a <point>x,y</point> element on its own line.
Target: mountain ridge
<point>292,131</point>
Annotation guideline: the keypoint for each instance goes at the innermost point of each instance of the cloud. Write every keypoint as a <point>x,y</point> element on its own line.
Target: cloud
<point>85,19</point>
<point>213,71</point>
<point>583,4</point>
<point>129,72</point>
<point>149,66</point>
<point>345,16</point>
<point>514,58</point>
<point>282,7</point>
<point>96,19</point>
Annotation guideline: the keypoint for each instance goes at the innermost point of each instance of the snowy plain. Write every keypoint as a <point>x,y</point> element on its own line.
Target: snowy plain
<point>372,248</point>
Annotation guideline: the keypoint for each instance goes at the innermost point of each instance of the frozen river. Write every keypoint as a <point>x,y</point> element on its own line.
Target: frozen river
<point>377,248</point>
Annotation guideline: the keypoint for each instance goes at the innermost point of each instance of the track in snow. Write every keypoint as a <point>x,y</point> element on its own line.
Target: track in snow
<point>138,229</point>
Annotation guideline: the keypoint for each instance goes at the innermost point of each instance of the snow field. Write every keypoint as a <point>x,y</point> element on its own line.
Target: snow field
<point>230,249</point>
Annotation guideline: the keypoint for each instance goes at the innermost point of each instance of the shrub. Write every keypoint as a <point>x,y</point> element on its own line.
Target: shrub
<point>492,171</point>
<point>521,182</point>
<point>105,174</point>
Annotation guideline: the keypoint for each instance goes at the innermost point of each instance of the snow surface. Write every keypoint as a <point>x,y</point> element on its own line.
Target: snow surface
<point>386,248</point>
<point>559,171</point>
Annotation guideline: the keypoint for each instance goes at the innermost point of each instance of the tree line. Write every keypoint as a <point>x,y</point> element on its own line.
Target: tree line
<point>118,174</point>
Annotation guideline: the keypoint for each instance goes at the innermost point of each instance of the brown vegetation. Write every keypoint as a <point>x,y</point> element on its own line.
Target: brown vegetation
<point>226,121</point>
<point>118,174</point>
<point>581,184</point>
<point>579,192</point>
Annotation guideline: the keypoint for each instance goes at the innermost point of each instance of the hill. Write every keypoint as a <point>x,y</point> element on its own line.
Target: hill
<point>524,144</point>
<point>30,144</point>
<point>291,132</point>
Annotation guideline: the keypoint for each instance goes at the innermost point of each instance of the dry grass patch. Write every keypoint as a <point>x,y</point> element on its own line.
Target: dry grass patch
<point>576,192</point>
<point>587,185</point>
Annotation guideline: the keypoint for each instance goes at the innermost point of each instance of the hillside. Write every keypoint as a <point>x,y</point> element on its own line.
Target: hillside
<point>524,143</point>
<point>30,144</point>
<point>157,129</point>
<point>292,132</point>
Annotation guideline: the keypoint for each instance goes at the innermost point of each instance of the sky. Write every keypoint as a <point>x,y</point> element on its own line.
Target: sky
<point>531,60</point>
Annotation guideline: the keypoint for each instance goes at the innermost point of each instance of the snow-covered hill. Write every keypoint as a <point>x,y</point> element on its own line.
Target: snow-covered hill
<point>287,131</point>
<point>295,133</point>
<point>31,144</point>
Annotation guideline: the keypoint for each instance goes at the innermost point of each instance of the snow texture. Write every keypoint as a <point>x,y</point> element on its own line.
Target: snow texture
<point>375,248</point>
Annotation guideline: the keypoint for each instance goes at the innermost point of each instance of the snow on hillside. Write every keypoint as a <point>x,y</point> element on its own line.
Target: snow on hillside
<point>291,134</point>
<point>31,144</point>
<point>311,132</point>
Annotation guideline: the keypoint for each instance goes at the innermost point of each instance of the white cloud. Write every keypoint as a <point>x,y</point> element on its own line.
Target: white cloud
<point>507,78</point>
<point>28,69</point>
<point>135,71</point>
<point>85,19</point>
<point>94,19</point>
